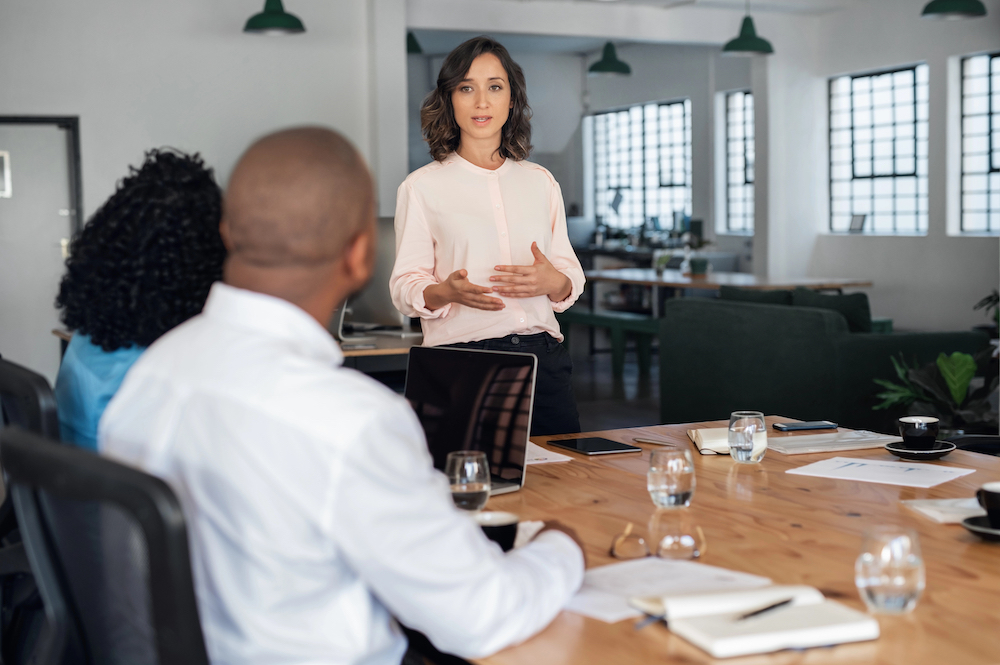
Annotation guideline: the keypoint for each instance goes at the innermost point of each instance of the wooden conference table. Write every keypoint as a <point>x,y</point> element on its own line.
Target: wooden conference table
<point>793,529</point>
<point>675,279</point>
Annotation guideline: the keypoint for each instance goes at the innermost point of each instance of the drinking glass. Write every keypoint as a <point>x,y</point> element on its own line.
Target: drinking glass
<point>747,436</point>
<point>670,479</point>
<point>889,573</point>
<point>469,475</point>
<point>674,534</point>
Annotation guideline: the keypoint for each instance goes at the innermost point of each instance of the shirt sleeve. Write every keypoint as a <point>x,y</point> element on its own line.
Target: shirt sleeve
<point>394,521</point>
<point>414,268</point>
<point>562,256</point>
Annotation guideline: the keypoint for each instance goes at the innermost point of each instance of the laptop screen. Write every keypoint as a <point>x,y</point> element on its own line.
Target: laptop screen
<point>474,400</point>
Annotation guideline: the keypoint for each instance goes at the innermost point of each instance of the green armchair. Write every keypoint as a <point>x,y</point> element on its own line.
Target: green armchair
<point>721,356</point>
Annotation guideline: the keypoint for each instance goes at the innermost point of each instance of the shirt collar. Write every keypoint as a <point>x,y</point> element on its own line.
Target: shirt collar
<point>272,317</point>
<point>458,159</point>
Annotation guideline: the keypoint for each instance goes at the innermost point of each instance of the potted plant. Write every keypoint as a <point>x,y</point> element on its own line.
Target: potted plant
<point>956,389</point>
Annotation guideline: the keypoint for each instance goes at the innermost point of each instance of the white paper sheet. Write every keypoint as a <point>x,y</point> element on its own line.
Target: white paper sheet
<point>908,474</point>
<point>606,590</point>
<point>535,454</point>
<point>946,511</point>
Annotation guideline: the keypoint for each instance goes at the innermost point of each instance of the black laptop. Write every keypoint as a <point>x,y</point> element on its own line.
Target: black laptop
<point>475,400</point>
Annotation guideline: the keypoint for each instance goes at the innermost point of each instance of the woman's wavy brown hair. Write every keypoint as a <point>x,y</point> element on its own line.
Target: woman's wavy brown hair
<point>437,117</point>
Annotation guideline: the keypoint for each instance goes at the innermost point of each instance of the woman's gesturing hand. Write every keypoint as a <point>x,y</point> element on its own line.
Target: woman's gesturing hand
<point>458,289</point>
<point>539,279</point>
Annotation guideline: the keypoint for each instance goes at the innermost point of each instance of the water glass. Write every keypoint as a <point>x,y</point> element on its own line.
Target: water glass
<point>670,479</point>
<point>889,573</point>
<point>674,534</point>
<point>747,436</point>
<point>469,476</point>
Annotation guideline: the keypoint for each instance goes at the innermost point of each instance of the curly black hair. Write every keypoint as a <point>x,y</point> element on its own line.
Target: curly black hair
<point>146,260</point>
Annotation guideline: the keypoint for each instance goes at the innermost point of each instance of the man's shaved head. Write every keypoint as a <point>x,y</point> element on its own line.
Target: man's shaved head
<point>296,199</point>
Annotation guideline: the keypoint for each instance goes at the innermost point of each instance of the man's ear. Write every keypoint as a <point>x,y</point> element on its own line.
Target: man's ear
<point>359,258</point>
<point>224,232</point>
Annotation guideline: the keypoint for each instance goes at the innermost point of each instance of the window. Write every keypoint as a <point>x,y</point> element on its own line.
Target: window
<point>739,162</point>
<point>878,151</point>
<point>642,164</point>
<point>981,144</point>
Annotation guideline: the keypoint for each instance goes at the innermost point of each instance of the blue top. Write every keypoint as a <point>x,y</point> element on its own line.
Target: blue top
<point>88,378</point>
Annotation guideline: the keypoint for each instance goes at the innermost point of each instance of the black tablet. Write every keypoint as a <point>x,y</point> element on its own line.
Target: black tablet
<point>595,446</point>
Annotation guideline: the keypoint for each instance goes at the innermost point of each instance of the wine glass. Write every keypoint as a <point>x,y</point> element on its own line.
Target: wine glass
<point>469,476</point>
<point>747,436</point>
<point>889,573</point>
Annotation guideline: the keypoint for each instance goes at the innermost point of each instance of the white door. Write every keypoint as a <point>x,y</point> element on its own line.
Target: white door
<point>35,223</point>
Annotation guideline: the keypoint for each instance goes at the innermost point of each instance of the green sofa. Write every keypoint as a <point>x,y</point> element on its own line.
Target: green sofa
<point>720,356</point>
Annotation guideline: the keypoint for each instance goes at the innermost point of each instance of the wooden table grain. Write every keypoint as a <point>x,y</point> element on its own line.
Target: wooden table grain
<point>793,529</point>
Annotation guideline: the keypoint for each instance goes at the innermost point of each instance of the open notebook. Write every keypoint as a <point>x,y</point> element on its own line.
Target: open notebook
<point>713,623</point>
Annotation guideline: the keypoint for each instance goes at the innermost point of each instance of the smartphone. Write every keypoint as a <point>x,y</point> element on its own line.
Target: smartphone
<point>595,446</point>
<point>797,427</point>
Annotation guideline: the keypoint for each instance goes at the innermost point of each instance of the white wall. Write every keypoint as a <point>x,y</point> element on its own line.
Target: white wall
<point>927,282</point>
<point>142,74</point>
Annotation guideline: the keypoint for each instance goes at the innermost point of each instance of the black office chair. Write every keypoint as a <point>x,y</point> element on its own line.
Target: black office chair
<point>26,401</point>
<point>987,444</point>
<point>109,550</point>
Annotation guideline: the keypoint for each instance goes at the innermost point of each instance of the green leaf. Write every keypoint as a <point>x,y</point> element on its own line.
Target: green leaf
<point>957,370</point>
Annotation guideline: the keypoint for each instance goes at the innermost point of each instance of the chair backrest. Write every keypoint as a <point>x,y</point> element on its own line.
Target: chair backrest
<point>108,546</point>
<point>27,400</point>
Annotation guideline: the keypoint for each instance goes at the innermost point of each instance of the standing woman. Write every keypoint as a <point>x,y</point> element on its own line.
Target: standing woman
<point>482,253</point>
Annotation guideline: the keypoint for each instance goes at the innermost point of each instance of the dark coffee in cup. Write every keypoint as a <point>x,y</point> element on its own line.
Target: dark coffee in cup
<point>499,527</point>
<point>918,432</point>
<point>989,499</point>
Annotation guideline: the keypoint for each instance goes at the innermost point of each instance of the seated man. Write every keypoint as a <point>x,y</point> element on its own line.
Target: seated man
<point>314,512</point>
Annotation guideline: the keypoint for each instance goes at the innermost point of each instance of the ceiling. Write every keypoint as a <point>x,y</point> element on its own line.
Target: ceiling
<point>441,42</point>
<point>778,6</point>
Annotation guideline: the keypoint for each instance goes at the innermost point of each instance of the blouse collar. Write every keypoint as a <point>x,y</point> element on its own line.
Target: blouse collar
<point>458,159</point>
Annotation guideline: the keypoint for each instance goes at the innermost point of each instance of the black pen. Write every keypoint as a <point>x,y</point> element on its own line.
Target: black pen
<point>765,610</point>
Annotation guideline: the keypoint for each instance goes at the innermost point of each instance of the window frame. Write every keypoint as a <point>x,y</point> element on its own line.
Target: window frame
<point>747,187</point>
<point>651,164</point>
<point>992,118</point>
<point>920,154</point>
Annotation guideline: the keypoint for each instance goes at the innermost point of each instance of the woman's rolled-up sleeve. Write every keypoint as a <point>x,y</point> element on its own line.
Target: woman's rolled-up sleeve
<point>414,268</point>
<point>562,256</point>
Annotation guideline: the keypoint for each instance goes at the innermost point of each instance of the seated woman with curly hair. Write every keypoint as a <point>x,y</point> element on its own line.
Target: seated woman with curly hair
<point>143,264</point>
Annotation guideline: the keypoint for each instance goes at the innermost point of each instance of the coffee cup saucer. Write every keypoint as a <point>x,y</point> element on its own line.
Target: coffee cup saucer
<point>980,525</point>
<point>937,451</point>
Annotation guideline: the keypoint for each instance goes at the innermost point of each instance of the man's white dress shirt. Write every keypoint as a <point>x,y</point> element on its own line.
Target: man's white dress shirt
<point>452,215</point>
<point>313,508</point>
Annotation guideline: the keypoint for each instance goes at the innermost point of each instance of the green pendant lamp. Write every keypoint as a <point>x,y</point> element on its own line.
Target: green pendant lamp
<point>954,9</point>
<point>609,63</point>
<point>412,45</point>
<point>748,43</point>
<point>274,20</point>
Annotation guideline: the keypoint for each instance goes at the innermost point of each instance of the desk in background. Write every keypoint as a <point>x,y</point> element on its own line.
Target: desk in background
<point>386,362</point>
<point>793,529</point>
<point>676,280</point>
